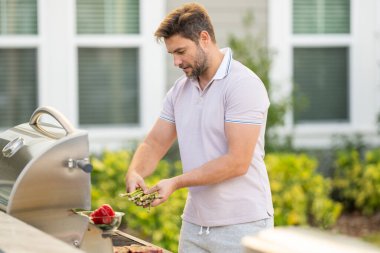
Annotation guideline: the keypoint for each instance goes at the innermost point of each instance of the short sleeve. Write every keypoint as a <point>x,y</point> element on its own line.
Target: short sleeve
<point>167,112</point>
<point>247,102</point>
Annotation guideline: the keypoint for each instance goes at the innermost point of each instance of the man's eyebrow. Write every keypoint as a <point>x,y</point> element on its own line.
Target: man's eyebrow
<point>176,50</point>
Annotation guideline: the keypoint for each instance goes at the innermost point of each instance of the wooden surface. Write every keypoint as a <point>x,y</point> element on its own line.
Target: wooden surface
<point>304,240</point>
<point>19,237</point>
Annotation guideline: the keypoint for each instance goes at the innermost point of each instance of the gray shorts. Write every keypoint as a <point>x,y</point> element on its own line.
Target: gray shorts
<point>197,239</point>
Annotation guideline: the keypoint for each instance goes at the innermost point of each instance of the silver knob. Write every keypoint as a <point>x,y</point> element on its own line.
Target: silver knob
<point>76,243</point>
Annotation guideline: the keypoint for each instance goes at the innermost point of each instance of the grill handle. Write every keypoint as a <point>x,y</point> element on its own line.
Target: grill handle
<point>61,119</point>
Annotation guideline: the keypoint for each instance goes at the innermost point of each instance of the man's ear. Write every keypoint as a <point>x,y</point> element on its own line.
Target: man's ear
<point>204,39</point>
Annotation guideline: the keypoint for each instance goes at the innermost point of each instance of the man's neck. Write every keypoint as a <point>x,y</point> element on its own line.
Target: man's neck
<point>215,59</point>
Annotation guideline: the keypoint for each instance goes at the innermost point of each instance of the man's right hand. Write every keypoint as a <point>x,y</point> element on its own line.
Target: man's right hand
<point>133,181</point>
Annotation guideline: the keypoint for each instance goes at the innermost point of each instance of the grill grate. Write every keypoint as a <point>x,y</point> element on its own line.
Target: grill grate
<point>119,240</point>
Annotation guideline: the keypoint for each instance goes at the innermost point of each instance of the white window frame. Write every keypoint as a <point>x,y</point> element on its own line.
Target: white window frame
<point>57,44</point>
<point>361,46</point>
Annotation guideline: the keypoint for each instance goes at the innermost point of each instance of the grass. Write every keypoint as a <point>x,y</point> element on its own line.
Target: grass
<point>373,238</point>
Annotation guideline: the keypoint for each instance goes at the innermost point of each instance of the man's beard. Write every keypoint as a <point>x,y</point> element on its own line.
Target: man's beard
<point>200,64</point>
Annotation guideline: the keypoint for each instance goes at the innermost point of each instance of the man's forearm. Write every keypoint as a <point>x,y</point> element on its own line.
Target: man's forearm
<point>144,160</point>
<point>154,147</point>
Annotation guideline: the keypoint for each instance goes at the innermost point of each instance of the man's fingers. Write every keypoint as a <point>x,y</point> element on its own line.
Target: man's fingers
<point>143,187</point>
<point>133,187</point>
<point>151,190</point>
<point>154,203</point>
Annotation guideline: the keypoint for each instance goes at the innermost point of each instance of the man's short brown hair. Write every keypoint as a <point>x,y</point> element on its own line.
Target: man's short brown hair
<point>189,21</point>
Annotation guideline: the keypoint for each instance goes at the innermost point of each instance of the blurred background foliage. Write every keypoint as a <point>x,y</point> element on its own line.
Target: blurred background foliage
<point>357,180</point>
<point>300,194</point>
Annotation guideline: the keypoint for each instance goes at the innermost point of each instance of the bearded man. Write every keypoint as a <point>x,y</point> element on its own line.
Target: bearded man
<point>217,110</point>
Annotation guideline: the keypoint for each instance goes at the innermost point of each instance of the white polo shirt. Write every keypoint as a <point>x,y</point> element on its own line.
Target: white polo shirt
<point>236,95</point>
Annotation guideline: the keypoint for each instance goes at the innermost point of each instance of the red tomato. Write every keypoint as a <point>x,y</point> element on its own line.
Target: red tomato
<point>103,215</point>
<point>108,209</point>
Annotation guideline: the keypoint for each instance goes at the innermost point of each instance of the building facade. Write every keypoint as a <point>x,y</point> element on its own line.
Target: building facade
<point>97,62</point>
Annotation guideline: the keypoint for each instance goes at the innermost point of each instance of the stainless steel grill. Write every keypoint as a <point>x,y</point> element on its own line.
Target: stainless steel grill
<point>45,174</point>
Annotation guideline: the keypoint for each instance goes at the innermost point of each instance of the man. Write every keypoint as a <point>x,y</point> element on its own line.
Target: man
<point>218,112</point>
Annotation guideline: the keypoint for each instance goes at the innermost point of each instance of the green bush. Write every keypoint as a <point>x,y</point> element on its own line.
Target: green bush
<point>300,194</point>
<point>356,180</point>
<point>161,225</point>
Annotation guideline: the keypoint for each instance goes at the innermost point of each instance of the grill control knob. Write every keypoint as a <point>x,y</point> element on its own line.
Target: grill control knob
<point>84,164</point>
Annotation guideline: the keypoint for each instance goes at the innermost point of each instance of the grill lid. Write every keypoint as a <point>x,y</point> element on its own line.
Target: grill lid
<point>44,169</point>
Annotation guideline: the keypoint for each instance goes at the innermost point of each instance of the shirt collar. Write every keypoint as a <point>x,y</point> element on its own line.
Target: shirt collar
<point>225,66</point>
<point>223,70</point>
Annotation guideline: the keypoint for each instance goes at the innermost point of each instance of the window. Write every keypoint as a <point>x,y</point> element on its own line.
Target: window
<point>321,16</point>
<point>108,86</point>
<point>18,17</point>
<point>107,16</point>
<point>18,64</point>
<point>18,85</point>
<point>320,72</point>
<point>323,93</point>
<point>108,77</point>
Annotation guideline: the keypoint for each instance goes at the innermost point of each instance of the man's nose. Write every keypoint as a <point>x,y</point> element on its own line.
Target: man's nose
<point>177,60</point>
